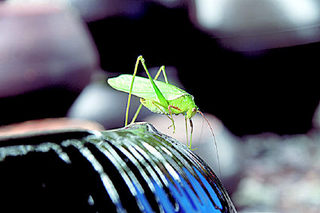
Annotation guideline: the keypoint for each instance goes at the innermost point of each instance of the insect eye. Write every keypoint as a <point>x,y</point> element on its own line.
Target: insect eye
<point>194,109</point>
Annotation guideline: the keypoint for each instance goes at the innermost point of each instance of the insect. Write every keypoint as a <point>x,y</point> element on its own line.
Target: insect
<point>158,97</point>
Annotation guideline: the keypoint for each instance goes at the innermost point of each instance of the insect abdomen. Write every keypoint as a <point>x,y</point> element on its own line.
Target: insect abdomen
<point>153,107</point>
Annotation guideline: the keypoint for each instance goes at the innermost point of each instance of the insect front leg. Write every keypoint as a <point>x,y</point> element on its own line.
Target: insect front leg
<point>189,143</point>
<point>136,114</point>
<point>191,132</point>
<point>186,123</point>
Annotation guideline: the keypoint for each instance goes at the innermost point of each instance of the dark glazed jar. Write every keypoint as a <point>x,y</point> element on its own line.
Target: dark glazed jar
<point>133,169</point>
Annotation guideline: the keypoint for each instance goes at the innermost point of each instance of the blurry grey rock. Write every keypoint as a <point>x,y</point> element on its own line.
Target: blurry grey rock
<point>170,3</point>
<point>101,103</point>
<point>43,46</point>
<point>48,124</point>
<point>285,168</point>
<point>98,9</point>
<point>250,25</point>
<point>316,119</point>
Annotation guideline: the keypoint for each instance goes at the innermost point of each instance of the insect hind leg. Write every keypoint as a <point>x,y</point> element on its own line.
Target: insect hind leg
<point>161,98</point>
<point>163,101</point>
<point>136,114</point>
<point>140,58</point>
<point>163,70</point>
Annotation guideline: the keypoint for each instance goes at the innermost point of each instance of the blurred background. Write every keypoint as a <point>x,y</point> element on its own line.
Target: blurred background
<point>251,66</point>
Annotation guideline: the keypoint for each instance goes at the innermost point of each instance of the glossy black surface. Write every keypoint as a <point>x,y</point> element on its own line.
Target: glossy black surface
<point>131,169</point>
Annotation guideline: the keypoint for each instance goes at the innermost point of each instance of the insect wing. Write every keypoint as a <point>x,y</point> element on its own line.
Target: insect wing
<point>142,87</point>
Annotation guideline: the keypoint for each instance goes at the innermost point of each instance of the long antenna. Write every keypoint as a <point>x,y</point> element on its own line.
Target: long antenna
<point>214,138</point>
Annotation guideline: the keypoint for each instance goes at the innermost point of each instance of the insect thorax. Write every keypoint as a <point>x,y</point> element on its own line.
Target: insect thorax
<point>185,103</point>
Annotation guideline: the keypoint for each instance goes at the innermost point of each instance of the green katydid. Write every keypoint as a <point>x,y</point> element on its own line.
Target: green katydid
<point>157,96</point>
